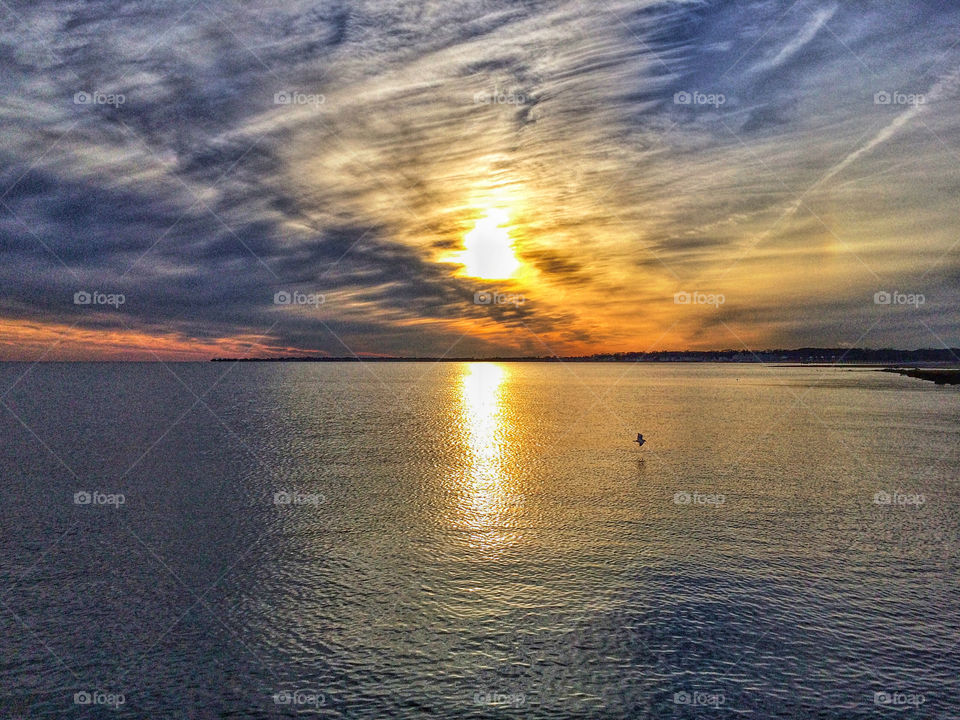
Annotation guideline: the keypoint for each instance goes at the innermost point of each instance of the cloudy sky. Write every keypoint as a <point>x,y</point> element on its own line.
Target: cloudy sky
<point>775,163</point>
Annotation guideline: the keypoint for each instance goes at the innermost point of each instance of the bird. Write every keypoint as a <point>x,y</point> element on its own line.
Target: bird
<point>639,441</point>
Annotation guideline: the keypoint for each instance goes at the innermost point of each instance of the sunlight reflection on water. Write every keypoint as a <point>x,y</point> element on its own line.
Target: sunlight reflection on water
<point>487,498</point>
<point>487,533</point>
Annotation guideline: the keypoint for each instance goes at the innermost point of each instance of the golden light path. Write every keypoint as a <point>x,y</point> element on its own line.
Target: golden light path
<point>488,501</point>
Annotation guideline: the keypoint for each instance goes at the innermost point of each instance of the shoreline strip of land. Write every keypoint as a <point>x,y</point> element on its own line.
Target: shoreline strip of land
<point>940,376</point>
<point>945,358</point>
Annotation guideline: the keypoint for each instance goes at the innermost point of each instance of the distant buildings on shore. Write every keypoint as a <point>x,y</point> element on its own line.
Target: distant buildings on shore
<point>826,356</point>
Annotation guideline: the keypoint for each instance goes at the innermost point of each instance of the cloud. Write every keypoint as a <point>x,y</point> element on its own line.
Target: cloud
<point>803,37</point>
<point>941,88</point>
<point>200,195</point>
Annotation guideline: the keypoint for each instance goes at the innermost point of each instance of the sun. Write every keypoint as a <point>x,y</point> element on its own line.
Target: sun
<point>488,249</point>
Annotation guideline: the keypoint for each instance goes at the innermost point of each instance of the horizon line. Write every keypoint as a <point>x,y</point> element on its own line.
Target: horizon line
<point>805,355</point>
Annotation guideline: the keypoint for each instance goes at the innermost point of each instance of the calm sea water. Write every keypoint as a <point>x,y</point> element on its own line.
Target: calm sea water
<point>477,540</point>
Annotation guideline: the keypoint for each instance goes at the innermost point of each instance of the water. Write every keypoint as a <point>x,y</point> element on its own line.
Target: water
<point>477,540</point>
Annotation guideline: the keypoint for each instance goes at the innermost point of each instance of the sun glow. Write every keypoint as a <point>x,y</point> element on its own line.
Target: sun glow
<point>488,249</point>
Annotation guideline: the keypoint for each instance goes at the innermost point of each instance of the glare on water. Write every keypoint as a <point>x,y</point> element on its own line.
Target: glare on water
<point>485,531</point>
<point>487,492</point>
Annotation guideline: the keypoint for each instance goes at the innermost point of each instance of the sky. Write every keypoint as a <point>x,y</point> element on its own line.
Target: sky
<point>184,180</point>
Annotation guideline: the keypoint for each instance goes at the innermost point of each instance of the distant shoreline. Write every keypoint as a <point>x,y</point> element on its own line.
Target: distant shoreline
<point>892,360</point>
<point>855,357</point>
<point>940,376</point>
<point>886,367</point>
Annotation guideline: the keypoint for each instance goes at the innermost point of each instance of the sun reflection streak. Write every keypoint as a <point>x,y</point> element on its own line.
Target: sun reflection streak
<point>488,502</point>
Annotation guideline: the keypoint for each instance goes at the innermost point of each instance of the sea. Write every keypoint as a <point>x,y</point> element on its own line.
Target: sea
<point>477,540</point>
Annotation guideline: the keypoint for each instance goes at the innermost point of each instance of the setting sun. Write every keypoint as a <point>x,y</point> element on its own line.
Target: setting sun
<point>488,249</point>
